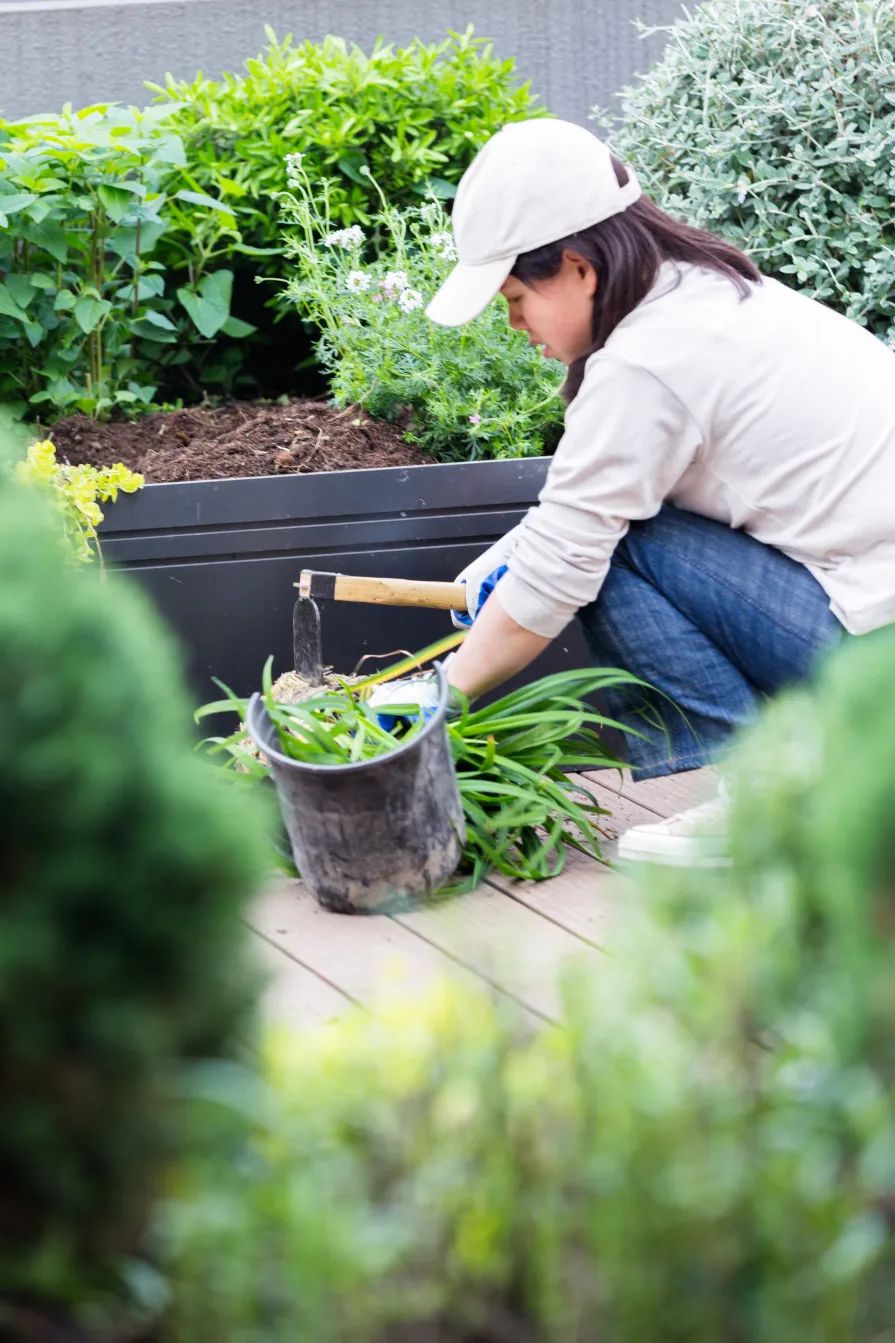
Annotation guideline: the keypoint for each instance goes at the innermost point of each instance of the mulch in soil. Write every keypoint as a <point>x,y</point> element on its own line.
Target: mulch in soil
<point>242,438</point>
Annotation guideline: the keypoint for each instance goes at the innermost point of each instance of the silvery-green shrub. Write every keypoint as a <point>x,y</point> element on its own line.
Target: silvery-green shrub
<point>772,123</point>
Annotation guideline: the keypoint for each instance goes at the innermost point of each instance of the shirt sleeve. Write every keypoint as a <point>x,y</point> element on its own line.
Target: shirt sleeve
<point>627,442</point>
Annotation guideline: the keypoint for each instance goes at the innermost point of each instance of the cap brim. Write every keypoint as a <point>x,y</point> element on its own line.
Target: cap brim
<point>467,291</point>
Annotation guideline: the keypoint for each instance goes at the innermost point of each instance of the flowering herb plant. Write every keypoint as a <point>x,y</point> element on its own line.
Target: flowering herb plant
<point>480,391</point>
<point>78,492</point>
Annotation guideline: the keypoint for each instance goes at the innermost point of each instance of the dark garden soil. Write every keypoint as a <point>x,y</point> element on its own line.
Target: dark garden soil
<point>243,438</point>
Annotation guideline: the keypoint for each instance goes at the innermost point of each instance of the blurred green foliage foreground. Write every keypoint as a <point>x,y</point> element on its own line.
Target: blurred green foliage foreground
<point>706,1151</point>
<point>123,866</point>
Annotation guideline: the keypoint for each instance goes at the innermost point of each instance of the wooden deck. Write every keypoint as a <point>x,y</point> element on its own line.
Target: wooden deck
<point>513,935</point>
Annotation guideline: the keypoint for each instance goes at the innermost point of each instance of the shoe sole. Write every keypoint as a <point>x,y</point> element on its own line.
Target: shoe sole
<point>629,854</point>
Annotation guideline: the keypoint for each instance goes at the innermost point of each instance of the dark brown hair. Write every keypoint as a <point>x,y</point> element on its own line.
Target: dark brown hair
<point>626,251</point>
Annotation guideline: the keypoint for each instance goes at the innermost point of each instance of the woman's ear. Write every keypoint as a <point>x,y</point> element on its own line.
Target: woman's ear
<point>578,266</point>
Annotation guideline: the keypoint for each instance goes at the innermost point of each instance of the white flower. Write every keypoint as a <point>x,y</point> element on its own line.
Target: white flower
<point>393,282</point>
<point>410,299</point>
<point>345,237</point>
<point>293,163</point>
<point>445,244</point>
<point>356,281</point>
<point>431,210</point>
<point>742,189</point>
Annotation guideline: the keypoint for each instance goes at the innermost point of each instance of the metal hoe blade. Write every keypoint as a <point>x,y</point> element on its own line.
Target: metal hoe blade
<point>307,648</point>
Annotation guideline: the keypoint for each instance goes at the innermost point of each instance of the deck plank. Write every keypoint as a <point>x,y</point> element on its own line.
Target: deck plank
<point>365,958</point>
<point>293,994</point>
<point>663,797</point>
<point>585,896</point>
<point>515,936</point>
<point>504,942</point>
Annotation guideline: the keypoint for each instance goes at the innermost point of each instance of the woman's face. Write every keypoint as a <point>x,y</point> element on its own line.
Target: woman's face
<point>558,314</point>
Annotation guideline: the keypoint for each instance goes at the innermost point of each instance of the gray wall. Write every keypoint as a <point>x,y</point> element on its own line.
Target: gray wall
<point>575,52</point>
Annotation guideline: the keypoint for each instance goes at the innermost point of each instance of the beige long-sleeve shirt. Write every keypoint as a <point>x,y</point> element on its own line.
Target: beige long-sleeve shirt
<point>771,413</point>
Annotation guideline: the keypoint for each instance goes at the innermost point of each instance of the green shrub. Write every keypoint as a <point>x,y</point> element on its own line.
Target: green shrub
<point>129,238</point>
<point>480,392</point>
<point>706,1153</point>
<point>86,322</point>
<point>123,871</point>
<point>771,122</point>
<point>414,116</point>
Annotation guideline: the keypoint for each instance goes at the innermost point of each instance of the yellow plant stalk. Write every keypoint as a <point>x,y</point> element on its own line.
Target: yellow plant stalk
<point>412,661</point>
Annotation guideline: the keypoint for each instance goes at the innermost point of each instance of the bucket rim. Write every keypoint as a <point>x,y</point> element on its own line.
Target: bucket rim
<point>256,705</point>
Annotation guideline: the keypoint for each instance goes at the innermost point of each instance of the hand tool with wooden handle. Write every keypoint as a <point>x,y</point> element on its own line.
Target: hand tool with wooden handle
<point>314,585</point>
<point>383,591</point>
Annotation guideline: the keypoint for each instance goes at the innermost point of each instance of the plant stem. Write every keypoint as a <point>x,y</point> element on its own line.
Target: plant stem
<point>135,300</point>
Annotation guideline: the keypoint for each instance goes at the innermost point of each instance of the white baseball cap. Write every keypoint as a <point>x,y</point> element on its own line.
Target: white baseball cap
<point>533,183</point>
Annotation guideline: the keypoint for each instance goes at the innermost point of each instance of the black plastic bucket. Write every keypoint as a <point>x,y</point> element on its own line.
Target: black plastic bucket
<point>373,835</point>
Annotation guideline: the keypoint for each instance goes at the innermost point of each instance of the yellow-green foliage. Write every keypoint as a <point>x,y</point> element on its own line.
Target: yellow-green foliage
<point>77,492</point>
<point>706,1152</point>
<point>124,865</point>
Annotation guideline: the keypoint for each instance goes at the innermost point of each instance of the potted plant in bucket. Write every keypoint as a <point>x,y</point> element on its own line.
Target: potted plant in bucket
<point>381,810</point>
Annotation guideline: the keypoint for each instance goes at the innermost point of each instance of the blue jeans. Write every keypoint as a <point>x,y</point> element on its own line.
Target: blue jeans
<point>713,619</point>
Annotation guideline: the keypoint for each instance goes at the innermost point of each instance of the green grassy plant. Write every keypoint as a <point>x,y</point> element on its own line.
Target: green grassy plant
<point>512,758</point>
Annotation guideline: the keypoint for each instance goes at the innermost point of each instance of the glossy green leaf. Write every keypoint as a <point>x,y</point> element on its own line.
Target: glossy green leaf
<point>209,304</point>
<point>8,305</point>
<point>206,201</point>
<point>117,201</point>
<point>13,202</point>
<point>88,312</point>
<point>235,326</point>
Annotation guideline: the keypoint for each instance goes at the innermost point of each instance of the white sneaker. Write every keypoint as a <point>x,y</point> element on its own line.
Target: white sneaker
<point>693,838</point>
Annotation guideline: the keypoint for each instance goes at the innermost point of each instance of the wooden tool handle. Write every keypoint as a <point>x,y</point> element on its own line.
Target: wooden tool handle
<point>382,591</point>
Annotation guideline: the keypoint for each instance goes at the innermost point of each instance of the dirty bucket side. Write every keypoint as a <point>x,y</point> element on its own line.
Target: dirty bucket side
<point>376,834</point>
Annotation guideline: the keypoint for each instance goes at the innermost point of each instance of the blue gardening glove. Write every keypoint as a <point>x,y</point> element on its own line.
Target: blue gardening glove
<point>420,691</point>
<point>482,576</point>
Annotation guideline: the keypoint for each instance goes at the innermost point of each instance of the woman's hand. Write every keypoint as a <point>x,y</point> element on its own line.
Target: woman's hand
<point>482,576</point>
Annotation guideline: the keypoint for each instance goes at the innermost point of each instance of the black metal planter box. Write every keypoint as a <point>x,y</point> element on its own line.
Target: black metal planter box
<point>219,558</point>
